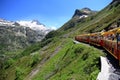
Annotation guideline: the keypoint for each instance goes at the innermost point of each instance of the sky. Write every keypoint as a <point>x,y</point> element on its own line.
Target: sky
<point>52,13</point>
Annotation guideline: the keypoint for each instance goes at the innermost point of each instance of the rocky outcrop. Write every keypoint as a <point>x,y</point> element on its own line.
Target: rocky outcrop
<point>115,2</point>
<point>83,13</point>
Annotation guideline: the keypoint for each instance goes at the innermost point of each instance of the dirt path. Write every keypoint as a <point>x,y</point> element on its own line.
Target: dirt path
<point>35,70</point>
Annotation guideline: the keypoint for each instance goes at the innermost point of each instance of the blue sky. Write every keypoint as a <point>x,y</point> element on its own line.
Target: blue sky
<point>52,13</point>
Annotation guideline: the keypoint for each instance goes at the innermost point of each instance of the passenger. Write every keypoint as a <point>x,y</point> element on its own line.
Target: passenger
<point>105,37</point>
<point>109,37</point>
<point>113,37</point>
<point>118,37</point>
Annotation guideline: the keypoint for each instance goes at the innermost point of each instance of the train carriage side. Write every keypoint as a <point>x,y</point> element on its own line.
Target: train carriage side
<point>118,45</point>
<point>111,42</point>
<point>83,38</point>
<point>95,39</point>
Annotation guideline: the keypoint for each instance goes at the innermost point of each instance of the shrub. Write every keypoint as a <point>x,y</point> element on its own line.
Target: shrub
<point>35,59</point>
<point>31,49</point>
<point>8,63</point>
<point>51,34</point>
<point>78,50</point>
<point>19,72</point>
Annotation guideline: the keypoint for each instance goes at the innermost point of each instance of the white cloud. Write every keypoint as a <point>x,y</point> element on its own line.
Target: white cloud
<point>54,28</point>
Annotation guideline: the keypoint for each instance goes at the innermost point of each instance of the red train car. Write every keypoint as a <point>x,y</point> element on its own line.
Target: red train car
<point>110,40</point>
<point>83,38</point>
<point>95,39</point>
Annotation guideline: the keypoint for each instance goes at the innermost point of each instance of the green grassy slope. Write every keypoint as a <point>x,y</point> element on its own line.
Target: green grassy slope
<point>73,61</point>
<point>59,58</point>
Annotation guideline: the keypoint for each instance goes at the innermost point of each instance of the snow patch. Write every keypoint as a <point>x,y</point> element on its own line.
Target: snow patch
<point>83,16</point>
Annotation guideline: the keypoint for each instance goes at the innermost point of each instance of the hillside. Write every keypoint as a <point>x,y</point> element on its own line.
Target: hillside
<point>56,57</point>
<point>108,17</point>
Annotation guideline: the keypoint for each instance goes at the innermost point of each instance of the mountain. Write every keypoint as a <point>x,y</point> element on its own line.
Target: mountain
<point>79,16</point>
<point>57,57</point>
<point>35,25</point>
<point>5,22</point>
<point>19,34</point>
<point>104,19</point>
<point>83,13</point>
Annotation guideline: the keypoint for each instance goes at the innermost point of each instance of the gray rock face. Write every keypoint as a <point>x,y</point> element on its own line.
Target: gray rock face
<point>85,12</point>
<point>115,1</point>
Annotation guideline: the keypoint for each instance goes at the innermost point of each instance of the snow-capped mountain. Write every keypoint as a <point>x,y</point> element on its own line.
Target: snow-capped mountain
<point>5,22</point>
<point>35,25</point>
<point>20,34</point>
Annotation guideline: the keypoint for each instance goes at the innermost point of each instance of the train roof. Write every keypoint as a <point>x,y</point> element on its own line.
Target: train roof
<point>84,35</point>
<point>108,33</point>
<point>94,34</point>
<point>112,31</point>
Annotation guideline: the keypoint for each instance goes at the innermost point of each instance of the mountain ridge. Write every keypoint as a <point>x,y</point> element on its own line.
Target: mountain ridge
<point>83,13</point>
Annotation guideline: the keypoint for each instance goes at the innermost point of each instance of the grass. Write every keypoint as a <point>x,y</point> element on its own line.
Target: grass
<point>73,61</point>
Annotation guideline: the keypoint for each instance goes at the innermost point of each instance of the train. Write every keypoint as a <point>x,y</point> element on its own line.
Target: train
<point>109,40</point>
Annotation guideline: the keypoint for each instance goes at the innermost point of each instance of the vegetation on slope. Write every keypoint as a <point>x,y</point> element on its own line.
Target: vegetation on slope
<point>18,68</point>
<point>73,61</point>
